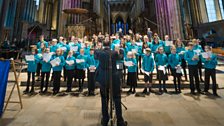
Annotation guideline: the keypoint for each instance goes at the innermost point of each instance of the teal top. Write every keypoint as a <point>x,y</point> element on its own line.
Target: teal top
<point>62,63</point>
<point>133,47</point>
<point>178,50</point>
<point>60,44</point>
<point>149,44</point>
<point>161,60</point>
<point>70,67</point>
<point>32,65</point>
<point>39,50</point>
<point>91,61</point>
<point>139,45</point>
<point>128,43</point>
<point>115,42</point>
<point>167,49</point>
<point>78,51</point>
<point>87,50</point>
<point>134,67</point>
<point>148,63</point>
<point>53,48</point>
<point>210,64</point>
<point>39,44</point>
<point>46,66</point>
<point>188,57</point>
<point>174,60</point>
<point>82,65</point>
<point>155,47</point>
<point>198,47</point>
<point>65,52</point>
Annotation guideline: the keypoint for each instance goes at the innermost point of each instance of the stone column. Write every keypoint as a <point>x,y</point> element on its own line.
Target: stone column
<point>218,10</point>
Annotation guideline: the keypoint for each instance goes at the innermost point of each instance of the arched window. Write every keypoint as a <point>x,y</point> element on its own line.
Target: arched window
<point>210,5</point>
<point>221,8</point>
<point>37,3</point>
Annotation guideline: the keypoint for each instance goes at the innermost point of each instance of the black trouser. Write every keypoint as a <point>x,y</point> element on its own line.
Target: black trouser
<point>176,78</point>
<point>39,65</point>
<point>28,80</point>
<point>57,81</point>
<point>137,68</point>
<point>81,82</point>
<point>104,91</point>
<point>91,81</point>
<point>194,79</point>
<point>162,77</point>
<point>210,73</point>
<point>42,80</point>
<point>140,62</point>
<point>70,76</point>
<point>200,69</point>
<point>124,74</point>
<point>184,65</point>
<point>65,74</point>
<point>168,68</point>
<point>120,74</point>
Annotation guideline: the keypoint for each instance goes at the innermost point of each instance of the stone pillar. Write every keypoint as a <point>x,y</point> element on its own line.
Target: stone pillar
<point>203,11</point>
<point>2,19</point>
<point>218,10</point>
<point>167,13</point>
<point>27,10</point>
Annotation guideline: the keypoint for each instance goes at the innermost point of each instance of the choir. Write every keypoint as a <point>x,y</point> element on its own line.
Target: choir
<point>147,55</point>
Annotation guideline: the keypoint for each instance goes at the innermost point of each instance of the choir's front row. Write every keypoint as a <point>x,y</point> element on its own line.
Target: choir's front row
<point>76,67</point>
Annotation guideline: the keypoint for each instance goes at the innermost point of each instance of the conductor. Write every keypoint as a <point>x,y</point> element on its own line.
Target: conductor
<point>103,77</point>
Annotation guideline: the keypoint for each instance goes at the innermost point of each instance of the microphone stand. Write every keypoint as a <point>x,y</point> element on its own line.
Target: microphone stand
<point>111,89</point>
<point>112,119</point>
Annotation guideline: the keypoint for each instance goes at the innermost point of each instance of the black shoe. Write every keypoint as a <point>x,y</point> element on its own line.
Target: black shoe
<point>165,90</point>
<point>150,89</point>
<point>176,92</point>
<point>129,91</point>
<point>133,92</point>
<point>199,92</point>
<point>193,93</point>
<point>160,90</point>
<point>41,92</point>
<point>179,91</point>
<point>26,91</point>
<point>45,91</point>
<point>124,123</point>
<point>68,90</point>
<point>216,95</point>
<point>205,92</point>
<point>80,89</point>
<point>32,91</point>
<point>55,92</point>
<point>144,91</point>
<point>91,93</point>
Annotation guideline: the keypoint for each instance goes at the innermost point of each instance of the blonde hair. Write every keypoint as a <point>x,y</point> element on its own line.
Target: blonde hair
<point>194,41</point>
<point>131,54</point>
<point>61,52</point>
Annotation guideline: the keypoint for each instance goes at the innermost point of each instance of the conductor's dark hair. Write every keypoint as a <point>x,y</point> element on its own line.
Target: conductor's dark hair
<point>106,43</point>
